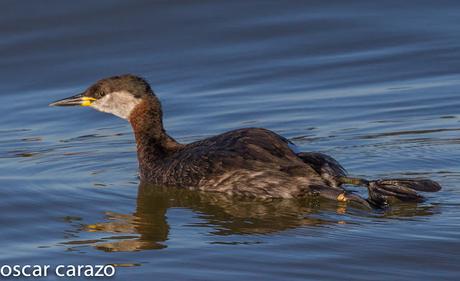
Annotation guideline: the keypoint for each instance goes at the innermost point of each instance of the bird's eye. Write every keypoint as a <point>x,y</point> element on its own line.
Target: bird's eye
<point>99,94</point>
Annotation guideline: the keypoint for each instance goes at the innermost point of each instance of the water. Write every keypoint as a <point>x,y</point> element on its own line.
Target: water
<point>373,84</point>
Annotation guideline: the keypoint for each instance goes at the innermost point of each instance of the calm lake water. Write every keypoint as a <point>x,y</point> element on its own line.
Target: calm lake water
<point>375,85</point>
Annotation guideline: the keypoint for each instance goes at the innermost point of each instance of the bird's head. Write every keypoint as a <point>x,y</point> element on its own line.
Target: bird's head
<point>118,95</point>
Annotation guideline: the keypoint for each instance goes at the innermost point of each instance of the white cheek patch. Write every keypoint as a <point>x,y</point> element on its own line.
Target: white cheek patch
<point>120,104</point>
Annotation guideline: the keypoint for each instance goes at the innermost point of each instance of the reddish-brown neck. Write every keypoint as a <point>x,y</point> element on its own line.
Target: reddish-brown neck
<point>153,143</point>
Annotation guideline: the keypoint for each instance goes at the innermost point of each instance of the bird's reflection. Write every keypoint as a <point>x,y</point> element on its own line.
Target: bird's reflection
<point>147,228</point>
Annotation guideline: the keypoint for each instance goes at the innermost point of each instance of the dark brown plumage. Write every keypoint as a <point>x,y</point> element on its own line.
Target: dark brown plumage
<point>250,162</point>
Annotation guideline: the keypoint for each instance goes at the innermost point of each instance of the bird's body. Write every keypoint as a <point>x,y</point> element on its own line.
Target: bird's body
<point>252,162</point>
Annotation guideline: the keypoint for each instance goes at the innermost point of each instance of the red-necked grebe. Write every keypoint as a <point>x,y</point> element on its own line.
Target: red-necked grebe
<point>250,162</point>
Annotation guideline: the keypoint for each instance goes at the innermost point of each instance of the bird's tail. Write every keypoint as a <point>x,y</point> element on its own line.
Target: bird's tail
<point>384,191</point>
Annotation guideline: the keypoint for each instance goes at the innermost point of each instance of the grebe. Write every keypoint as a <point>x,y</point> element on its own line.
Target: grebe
<point>251,162</point>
